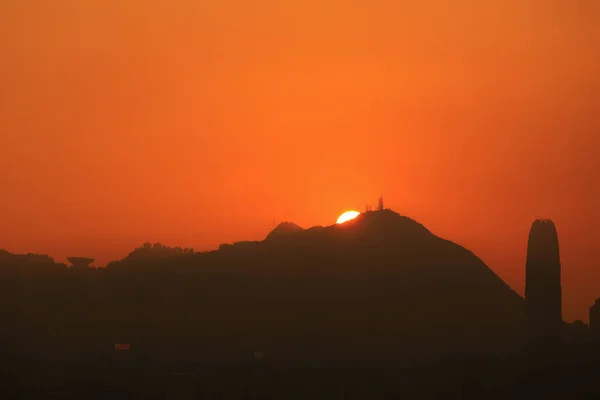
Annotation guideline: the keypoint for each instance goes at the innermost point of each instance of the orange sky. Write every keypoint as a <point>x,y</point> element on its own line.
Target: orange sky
<point>194,123</point>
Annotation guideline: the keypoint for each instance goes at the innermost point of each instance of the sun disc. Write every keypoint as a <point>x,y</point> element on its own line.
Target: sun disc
<point>347,216</point>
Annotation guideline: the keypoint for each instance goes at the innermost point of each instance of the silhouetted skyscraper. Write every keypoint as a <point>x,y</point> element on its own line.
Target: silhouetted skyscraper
<point>542,286</point>
<point>595,320</point>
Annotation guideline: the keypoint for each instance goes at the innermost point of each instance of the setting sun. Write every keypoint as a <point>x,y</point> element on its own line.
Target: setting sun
<point>347,216</point>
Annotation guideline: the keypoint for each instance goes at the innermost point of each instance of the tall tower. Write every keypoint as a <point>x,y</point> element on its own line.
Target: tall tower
<point>595,320</point>
<point>542,287</point>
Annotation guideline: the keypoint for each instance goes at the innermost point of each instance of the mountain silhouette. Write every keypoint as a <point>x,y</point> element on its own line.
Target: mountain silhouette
<point>379,288</point>
<point>283,229</point>
<point>379,284</point>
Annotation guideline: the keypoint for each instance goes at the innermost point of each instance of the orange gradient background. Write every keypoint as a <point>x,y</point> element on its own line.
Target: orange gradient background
<point>194,123</point>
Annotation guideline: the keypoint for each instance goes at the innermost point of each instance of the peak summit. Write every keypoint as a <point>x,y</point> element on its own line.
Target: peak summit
<point>387,222</point>
<point>284,228</point>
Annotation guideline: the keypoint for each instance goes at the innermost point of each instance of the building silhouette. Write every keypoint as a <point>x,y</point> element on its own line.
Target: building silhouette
<point>543,287</point>
<point>595,320</point>
<point>80,262</point>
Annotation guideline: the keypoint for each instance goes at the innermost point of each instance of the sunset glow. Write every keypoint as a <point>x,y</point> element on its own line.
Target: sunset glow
<point>197,123</point>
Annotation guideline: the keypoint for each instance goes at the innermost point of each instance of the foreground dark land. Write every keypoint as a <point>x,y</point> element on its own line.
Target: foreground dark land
<point>375,308</point>
<point>450,379</point>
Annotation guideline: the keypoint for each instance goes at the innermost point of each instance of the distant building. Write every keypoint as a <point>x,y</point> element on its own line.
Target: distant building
<point>595,320</point>
<point>80,262</point>
<point>543,287</point>
<point>576,333</point>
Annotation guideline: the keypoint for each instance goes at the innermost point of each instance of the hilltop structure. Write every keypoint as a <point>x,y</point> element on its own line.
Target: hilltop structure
<point>380,204</point>
<point>543,287</point>
<point>80,262</point>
